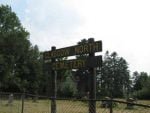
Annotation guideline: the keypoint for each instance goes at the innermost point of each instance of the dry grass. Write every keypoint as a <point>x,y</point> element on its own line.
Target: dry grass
<point>63,106</point>
<point>42,106</point>
<point>14,108</point>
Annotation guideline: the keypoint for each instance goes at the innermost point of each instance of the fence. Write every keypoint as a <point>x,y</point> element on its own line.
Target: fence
<point>27,103</point>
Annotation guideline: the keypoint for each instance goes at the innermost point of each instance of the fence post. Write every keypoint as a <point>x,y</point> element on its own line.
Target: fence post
<point>22,99</point>
<point>53,96</point>
<point>111,106</point>
<point>92,94</point>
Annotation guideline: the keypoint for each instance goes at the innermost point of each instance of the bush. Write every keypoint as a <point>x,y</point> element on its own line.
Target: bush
<point>68,88</point>
<point>143,94</point>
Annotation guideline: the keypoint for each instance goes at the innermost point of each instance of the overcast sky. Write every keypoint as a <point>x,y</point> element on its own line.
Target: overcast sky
<point>122,25</point>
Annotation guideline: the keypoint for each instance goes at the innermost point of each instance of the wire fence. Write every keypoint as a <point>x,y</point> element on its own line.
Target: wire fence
<point>102,106</point>
<point>28,103</point>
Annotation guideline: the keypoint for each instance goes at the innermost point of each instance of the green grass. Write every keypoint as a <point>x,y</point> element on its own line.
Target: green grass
<point>43,106</point>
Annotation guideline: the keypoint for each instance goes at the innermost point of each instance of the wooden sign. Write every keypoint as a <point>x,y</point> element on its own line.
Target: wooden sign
<point>89,62</point>
<point>74,50</point>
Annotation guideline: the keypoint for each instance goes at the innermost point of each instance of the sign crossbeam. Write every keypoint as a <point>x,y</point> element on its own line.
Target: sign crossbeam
<point>88,62</point>
<point>74,50</point>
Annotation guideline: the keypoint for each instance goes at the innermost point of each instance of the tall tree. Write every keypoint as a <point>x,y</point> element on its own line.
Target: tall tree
<point>141,84</point>
<point>14,45</point>
<point>18,58</point>
<point>139,80</point>
<point>115,75</point>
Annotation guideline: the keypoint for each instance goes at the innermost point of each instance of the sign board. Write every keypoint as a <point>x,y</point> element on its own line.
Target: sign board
<point>89,62</point>
<point>74,50</point>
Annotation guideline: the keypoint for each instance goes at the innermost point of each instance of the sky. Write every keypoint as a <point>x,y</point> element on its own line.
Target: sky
<point>122,25</point>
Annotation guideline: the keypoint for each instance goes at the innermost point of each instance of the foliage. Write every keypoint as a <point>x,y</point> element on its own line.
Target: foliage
<point>68,87</point>
<point>139,80</point>
<point>20,61</point>
<point>115,75</point>
<point>141,85</point>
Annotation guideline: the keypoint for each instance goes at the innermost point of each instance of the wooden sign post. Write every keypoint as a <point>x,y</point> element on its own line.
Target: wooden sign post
<point>53,81</point>
<point>89,63</point>
<point>92,92</point>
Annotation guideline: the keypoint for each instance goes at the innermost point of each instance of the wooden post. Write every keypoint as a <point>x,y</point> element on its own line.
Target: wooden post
<point>111,106</point>
<point>22,105</point>
<point>92,94</point>
<point>53,81</point>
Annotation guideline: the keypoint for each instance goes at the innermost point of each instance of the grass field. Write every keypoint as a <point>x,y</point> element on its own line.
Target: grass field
<point>63,106</point>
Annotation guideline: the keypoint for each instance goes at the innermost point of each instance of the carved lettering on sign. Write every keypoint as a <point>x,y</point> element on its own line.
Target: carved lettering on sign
<point>78,63</point>
<point>74,50</point>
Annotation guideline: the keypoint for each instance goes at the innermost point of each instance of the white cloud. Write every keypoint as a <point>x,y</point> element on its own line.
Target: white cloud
<point>122,25</point>
<point>50,21</point>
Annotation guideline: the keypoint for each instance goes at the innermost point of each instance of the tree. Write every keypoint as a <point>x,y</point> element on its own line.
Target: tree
<point>14,45</point>
<point>68,88</point>
<point>139,80</point>
<point>34,73</point>
<point>115,75</point>
<point>18,58</point>
<point>141,84</point>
